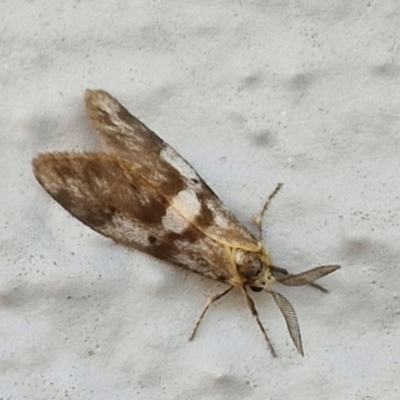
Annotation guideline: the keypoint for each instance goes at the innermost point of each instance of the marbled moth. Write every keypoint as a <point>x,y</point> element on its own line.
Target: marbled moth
<point>143,194</point>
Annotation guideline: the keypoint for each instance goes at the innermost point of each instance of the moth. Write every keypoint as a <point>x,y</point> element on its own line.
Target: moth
<point>143,194</point>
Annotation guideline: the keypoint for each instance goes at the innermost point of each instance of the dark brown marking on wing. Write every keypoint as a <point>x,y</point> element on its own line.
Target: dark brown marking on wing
<point>172,183</point>
<point>162,250</point>
<point>190,234</point>
<point>170,243</point>
<point>205,217</point>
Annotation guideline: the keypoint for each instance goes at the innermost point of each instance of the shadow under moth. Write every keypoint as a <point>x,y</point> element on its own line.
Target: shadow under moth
<point>143,194</point>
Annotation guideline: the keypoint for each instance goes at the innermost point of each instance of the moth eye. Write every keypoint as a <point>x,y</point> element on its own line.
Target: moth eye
<point>256,289</point>
<point>195,181</point>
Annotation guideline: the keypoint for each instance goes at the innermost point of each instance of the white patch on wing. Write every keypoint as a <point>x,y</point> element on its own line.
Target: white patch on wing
<point>173,221</point>
<point>187,203</point>
<point>173,158</point>
<point>123,228</point>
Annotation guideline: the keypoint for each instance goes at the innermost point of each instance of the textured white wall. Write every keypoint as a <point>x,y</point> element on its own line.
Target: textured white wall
<point>251,93</point>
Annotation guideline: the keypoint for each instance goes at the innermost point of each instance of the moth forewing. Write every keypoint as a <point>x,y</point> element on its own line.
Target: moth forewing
<point>175,179</point>
<point>143,194</point>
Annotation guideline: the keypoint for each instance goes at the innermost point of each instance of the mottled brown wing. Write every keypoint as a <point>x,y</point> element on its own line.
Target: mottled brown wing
<point>105,193</point>
<point>165,170</point>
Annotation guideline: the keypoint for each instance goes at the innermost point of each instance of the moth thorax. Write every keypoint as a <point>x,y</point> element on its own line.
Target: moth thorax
<point>253,268</point>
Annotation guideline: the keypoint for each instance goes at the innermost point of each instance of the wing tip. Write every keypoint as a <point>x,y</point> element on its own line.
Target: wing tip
<point>96,99</point>
<point>40,162</point>
<point>92,93</point>
<point>41,166</point>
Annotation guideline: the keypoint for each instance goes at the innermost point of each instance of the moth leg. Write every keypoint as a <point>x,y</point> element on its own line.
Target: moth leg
<point>206,307</point>
<point>258,218</point>
<point>254,311</point>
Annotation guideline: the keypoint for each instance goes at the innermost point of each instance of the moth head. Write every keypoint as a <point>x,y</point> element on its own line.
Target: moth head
<point>277,275</point>
<point>254,269</point>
